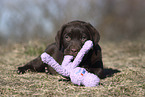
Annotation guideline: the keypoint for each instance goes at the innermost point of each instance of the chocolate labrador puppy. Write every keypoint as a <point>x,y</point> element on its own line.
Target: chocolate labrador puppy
<point>69,41</point>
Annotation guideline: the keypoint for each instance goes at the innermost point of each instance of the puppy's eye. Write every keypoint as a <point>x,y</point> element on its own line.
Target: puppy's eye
<point>67,38</point>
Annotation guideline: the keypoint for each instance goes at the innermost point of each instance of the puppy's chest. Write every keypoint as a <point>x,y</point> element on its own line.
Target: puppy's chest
<point>85,63</point>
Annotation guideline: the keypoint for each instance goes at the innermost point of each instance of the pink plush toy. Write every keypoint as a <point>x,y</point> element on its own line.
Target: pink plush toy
<point>77,75</point>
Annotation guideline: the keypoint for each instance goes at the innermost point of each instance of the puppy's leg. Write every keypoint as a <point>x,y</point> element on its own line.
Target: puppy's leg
<point>34,65</point>
<point>97,69</point>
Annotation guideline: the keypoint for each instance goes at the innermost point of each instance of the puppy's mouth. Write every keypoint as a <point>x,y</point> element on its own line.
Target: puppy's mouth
<point>67,52</point>
<point>73,53</point>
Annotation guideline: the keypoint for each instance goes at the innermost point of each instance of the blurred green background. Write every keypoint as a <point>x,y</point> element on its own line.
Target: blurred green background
<point>116,20</point>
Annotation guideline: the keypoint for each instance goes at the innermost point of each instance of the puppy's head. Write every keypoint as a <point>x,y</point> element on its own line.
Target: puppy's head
<point>71,37</point>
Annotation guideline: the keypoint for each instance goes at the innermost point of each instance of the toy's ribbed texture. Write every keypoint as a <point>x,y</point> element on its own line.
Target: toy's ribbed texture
<point>47,59</point>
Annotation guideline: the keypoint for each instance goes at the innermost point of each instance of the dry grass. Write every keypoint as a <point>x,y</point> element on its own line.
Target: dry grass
<point>126,57</point>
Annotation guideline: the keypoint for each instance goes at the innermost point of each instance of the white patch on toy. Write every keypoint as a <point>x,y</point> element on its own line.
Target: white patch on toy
<point>80,76</point>
<point>77,75</point>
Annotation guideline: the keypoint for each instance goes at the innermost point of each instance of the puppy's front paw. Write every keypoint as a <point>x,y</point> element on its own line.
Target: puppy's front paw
<point>46,70</point>
<point>20,70</point>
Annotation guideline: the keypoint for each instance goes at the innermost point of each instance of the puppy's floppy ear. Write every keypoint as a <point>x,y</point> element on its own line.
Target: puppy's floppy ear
<point>59,38</point>
<point>94,34</point>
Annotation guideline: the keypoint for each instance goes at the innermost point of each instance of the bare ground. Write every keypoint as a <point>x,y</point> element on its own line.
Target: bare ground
<point>124,69</point>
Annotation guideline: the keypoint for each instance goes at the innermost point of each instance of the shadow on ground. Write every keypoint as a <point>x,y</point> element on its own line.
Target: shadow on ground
<point>109,72</point>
